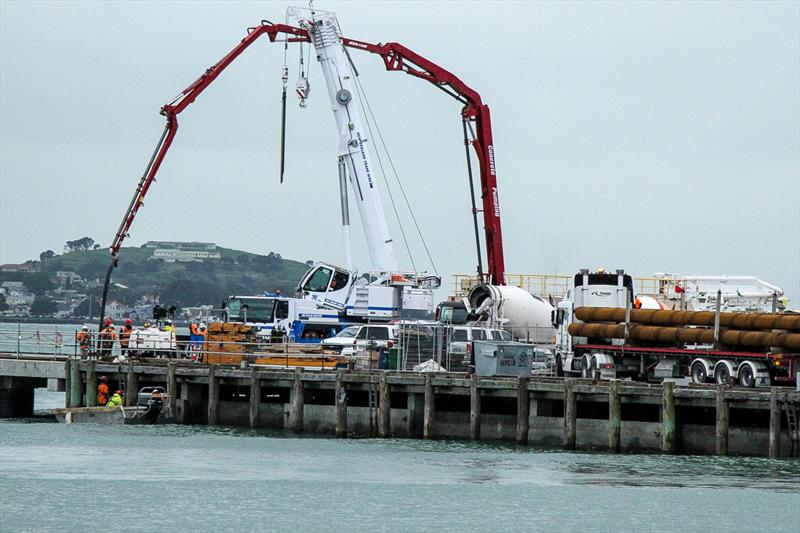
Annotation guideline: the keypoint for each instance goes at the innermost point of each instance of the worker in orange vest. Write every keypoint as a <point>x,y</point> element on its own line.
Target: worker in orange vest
<point>84,340</point>
<point>102,391</point>
<point>107,338</point>
<point>125,336</point>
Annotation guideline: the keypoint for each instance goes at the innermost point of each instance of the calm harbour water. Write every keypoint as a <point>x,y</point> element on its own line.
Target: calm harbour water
<point>77,477</point>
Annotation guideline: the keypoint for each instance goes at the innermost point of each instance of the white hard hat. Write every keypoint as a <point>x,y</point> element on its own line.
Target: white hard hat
<point>85,327</point>
<point>202,324</point>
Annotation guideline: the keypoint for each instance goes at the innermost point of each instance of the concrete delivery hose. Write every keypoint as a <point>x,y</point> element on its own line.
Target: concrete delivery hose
<point>657,317</point>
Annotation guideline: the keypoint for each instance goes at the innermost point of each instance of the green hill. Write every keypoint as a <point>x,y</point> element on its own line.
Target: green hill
<point>180,283</point>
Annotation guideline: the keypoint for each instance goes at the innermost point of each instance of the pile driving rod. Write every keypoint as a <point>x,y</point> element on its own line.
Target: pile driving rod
<point>396,57</point>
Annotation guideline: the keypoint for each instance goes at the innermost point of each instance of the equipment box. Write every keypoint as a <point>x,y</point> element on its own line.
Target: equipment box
<point>502,358</point>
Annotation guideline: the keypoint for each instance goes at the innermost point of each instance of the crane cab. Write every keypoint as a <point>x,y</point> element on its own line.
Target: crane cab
<point>327,284</point>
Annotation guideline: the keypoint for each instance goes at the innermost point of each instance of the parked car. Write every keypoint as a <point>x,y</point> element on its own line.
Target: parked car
<point>341,339</point>
<point>461,337</point>
<point>372,335</point>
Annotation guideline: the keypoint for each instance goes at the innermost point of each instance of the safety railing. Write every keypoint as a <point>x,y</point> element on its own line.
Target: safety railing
<point>549,286</point>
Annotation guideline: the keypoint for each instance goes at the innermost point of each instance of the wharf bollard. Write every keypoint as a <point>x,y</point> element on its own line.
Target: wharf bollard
<point>523,410</point>
<point>75,383</point>
<point>172,388</point>
<point>614,415</point>
<point>341,405</point>
<point>774,424</point>
<point>570,414</point>
<point>474,408</point>
<point>721,430</point>
<point>668,417</point>
<point>67,381</point>
<point>91,383</point>
<point>131,385</point>
<point>297,405</point>
<point>213,396</point>
<point>429,412</point>
<point>255,398</point>
<point>385,406</point>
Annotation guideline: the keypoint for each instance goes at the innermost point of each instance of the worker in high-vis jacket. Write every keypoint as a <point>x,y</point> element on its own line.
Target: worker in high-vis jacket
<point>116,399</point>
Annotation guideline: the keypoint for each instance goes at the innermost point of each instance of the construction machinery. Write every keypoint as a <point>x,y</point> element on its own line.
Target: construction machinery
<point>601,331</point>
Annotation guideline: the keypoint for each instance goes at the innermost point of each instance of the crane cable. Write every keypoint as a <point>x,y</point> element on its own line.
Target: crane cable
<point>362,94</point>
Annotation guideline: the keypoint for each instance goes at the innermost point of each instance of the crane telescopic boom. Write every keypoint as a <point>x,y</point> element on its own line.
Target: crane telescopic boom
<point>396,57</point>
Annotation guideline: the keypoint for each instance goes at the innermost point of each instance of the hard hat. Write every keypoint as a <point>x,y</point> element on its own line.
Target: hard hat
<point>108,322</point>
<point>128,321</point>
<point>119,392</point>
<point>169,321</point>
<point>85,327</point>
<point>202,325</point>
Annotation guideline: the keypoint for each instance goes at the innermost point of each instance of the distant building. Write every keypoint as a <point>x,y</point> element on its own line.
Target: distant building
<point>180,245</point>
<point>11,267</point>
<point>67,276</point>
<point>172,255</point>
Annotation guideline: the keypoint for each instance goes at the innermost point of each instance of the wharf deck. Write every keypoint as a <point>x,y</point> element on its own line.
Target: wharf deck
<point>543,411</point>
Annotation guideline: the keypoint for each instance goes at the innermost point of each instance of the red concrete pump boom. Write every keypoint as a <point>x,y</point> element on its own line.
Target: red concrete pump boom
<point>396,57</point>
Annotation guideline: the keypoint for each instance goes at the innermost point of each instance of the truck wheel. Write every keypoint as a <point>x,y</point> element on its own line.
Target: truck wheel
<point>585,372</point>
<point>722,375</point>
<point>699,374</point>
<point>746,376</point>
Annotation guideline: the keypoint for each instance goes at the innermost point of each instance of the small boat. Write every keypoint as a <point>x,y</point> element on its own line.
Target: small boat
<point>148,410</point>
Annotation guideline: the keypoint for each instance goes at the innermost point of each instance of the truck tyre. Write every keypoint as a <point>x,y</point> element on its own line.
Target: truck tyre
<point>585,372</point>
<point>699,374</point>
<point>722,375</point>
<point>747,377</point>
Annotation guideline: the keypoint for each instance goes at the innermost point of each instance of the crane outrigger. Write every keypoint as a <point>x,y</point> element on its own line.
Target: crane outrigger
<point>321,29</point>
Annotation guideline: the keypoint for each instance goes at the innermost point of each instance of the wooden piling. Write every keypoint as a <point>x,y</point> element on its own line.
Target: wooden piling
<point>721,433</point>
<point>67,382</point>
<point>75,383</point>
<point>91,383</point>
<point>429,416</point>
<point>172,388</point>
<point>774,424</point>
<point>668,417</point>
<point>384,406</point>
<point>523,410</point>
<point>255,398</point>
<point>213,396</point>
<point>131,386</point>
<point>614,416</point>
<point>474,408</point>
<point>570,414</point>
<point>341,405</point>
<point>297,405</point>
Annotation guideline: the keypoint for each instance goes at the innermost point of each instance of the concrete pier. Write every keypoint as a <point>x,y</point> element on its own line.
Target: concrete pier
<point>545,412</point>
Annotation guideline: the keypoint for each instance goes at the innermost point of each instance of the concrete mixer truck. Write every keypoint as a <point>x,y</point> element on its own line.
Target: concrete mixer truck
<point>603,331</point>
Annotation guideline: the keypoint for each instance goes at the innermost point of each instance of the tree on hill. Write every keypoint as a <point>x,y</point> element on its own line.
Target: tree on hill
<point>42,306</point>
<point>85,243</point>
<point>38,283</point>
<point>47,254</point>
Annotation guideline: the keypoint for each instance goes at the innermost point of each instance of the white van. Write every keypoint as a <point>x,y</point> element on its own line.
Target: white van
<point>461,337</point>
<point>378,335</point>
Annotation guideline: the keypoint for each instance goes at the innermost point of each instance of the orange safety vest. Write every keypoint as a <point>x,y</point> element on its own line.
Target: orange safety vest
<point>83,338</point>
<point>102,394</point>
<point>108,334</point>
<point>124,335</point>
<point>193,329</point>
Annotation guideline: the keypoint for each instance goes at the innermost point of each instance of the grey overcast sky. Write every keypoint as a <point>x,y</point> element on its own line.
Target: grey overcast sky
<point>655,137</point>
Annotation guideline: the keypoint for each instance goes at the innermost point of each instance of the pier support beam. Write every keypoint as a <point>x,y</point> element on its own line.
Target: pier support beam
<point>297,403</point>
<point>474,408</point>
<point>341,405</point>
<point>172,388</point>
<point>668,417</point>
<point>131,386</point>
<point>774,424</point>
<point>414,410</point>
<point>385,406</point>
<point>255,399</point>
<point>570,414</point>
<point>67,384</point>
<point>75,383</point>
<point>614,416</point>
<point>721,433</point>
<point>91,383</point>
<point>428,424</point>
<point>523,410</point>
<point>213,396</point>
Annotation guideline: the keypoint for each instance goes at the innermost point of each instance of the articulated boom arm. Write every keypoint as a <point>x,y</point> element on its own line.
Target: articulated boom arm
<point>398,57</point>
<point>395,57</point>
